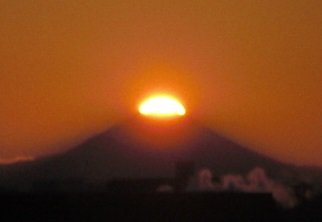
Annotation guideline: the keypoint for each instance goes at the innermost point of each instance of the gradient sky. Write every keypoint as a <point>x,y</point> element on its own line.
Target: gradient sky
<point>251,70</point>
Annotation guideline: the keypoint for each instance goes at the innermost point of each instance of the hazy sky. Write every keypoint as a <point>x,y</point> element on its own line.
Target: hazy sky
<point>251,70</point>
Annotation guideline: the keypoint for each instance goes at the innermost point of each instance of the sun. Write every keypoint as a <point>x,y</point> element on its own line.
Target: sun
<point>162,106</point>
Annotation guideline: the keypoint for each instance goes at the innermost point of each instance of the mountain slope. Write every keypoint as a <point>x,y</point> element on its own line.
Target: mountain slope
<point>142,147</point>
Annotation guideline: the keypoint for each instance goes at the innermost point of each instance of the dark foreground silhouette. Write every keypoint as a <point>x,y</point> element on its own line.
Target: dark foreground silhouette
<point>129,207</point>
<point>87,183</point>
<point>150,207</point>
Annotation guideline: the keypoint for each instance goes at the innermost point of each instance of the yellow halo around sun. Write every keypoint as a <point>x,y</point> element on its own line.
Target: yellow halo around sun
<point>162,106</point>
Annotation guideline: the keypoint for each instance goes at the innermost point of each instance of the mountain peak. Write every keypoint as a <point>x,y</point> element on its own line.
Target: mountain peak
<point>144,147</point>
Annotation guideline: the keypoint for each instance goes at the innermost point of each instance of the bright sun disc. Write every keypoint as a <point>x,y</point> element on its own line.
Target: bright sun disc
<point>162,106</point>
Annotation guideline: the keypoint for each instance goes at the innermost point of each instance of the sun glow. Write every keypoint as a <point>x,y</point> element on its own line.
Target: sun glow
<point>162,106</point>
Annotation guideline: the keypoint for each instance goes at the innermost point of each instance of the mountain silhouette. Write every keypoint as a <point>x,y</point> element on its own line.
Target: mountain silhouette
<point>140,148</point>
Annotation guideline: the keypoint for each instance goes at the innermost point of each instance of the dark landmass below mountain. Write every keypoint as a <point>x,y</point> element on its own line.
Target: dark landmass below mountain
<point>145,148</point>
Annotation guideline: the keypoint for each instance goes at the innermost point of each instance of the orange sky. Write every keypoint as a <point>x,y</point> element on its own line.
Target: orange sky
<point>251,70</point>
